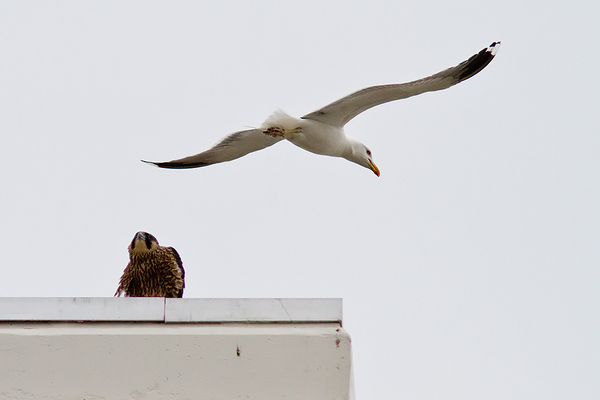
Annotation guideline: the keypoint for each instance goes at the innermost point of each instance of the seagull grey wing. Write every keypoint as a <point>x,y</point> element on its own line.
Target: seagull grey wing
<point>232,146</point>
<point>343,110</point>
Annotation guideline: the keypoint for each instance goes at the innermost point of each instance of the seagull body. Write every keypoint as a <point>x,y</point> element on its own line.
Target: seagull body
<point>322,131</point>
<point>315,136</point>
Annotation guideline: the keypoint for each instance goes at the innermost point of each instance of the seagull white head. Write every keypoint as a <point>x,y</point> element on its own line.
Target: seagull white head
<point>360,154</point>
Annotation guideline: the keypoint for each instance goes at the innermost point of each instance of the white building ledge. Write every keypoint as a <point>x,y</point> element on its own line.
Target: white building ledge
<point>155,309</point>
<point>155,348</point>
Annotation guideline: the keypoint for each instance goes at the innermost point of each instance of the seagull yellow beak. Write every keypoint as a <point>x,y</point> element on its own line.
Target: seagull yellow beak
<point>373,167</point>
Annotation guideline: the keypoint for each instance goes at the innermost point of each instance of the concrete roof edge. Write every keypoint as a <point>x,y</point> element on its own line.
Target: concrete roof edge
<point>157,309</point>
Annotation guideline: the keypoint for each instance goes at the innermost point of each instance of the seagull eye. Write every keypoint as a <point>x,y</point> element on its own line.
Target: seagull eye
<point>369,152</point>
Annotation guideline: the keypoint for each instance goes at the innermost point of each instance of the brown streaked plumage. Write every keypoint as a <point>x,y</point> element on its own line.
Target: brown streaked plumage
<point>153,270</point>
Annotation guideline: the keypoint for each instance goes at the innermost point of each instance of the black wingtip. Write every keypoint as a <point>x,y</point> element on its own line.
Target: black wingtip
<point>150,162</point>
<point>176,164</point>
<point>479,61</point>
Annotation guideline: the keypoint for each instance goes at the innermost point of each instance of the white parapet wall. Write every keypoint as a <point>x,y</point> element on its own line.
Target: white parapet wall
<point>155,348</point>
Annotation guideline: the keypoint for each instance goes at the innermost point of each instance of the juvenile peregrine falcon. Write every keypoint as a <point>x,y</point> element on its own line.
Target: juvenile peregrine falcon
<point>153,270</point>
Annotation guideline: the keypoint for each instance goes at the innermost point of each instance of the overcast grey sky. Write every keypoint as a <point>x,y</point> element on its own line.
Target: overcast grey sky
<point>469,269</point>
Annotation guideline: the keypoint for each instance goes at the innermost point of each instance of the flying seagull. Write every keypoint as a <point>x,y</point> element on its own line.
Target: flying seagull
<point>153,270</point>
<point>322,131</point>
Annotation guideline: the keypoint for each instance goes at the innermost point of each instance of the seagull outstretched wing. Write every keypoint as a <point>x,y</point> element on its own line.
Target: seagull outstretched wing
<point>232,146</point>
<point>343,110</point>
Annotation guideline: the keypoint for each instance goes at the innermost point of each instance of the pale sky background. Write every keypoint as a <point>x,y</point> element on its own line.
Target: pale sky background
<point>469,269</point>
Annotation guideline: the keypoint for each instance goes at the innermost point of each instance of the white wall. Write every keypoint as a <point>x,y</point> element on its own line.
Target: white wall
<point>191,360</point>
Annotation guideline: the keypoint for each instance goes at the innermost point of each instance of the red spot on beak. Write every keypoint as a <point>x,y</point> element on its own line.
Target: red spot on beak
<point>374,167</point>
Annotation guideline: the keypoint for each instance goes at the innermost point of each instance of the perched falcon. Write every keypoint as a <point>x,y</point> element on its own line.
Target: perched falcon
<point>153,270</point>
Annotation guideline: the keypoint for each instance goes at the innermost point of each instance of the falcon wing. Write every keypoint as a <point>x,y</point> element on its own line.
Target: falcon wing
<point>343,110</point>
<point>180,265</point>
<point>233,146</point>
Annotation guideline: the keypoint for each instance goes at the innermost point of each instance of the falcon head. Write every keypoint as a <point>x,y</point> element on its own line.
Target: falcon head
<point>143,242</point>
